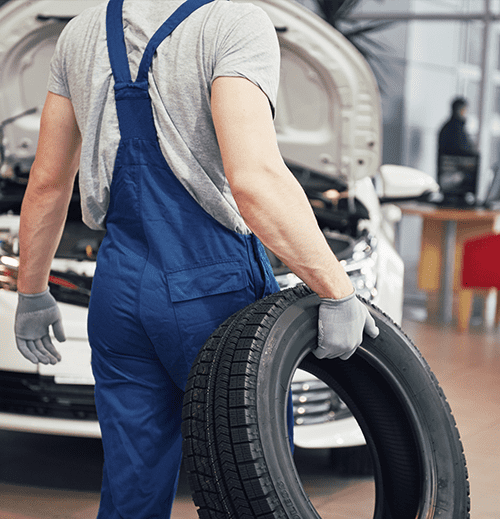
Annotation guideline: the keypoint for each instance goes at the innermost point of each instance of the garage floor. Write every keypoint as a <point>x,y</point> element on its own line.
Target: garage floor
<point>49,477</point>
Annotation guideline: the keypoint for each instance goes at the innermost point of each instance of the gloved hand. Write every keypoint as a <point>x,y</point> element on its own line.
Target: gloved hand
<point>35,313</point>
<point>341,323</point>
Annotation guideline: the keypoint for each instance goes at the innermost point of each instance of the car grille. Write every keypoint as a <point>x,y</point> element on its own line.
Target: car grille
<point>314,403</point>
<point>37,395</point>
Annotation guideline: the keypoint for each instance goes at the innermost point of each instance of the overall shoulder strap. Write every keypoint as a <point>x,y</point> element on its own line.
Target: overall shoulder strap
<point>165,30</point>
<point>116,39</point>
<point>116,42</point>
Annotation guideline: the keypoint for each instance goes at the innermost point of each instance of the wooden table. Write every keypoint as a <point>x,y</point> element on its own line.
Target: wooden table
<point>444,232</point>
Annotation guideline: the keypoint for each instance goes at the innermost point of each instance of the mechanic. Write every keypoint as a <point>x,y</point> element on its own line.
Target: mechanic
<point>179,162</point>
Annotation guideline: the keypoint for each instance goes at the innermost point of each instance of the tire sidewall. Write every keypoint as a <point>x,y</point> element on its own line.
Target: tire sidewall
<point>290,339</point>
<point>436,430</point>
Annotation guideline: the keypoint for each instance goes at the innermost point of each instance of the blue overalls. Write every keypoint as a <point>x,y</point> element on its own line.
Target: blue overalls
<point>167,275</point>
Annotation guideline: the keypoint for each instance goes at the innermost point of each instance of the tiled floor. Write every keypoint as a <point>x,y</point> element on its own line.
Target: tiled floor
<point>468,368</point>
<point>46,477</point>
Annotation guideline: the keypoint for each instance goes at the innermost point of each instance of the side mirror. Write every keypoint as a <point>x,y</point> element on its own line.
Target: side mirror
<point>400,183</point>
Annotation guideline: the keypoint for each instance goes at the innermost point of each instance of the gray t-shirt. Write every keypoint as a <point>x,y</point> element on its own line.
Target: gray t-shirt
<point>219,39</point>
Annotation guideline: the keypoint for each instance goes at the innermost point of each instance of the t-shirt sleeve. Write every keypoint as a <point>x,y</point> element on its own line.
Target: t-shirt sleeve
<point>58,81</point>
<point>249,48</point>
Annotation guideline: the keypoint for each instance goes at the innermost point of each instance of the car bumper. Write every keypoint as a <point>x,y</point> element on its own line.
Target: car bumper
<point>343,433</point>
<point>44,425</point>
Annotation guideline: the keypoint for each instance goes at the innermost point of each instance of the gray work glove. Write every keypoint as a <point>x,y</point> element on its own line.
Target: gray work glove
<point>35,313</point>
<point>341,323</point>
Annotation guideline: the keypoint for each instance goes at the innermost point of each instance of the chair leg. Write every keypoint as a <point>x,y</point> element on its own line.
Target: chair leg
<point>465,298</point>
<point>497,309</point>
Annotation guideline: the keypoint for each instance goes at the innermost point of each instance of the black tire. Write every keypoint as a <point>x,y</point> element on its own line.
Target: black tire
<point>236,448</point>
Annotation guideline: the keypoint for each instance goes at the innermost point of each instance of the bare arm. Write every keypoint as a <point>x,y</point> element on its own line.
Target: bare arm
<point>271,201</point>
<point>45,204</point>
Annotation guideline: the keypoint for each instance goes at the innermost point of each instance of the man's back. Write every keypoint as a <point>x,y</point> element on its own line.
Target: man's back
<point>221,39</point>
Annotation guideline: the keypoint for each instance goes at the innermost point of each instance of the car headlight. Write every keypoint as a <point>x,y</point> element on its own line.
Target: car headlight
<point>362,267</point>
<point>9,263</point>
<point>66,286</point>
<point>360,262</point>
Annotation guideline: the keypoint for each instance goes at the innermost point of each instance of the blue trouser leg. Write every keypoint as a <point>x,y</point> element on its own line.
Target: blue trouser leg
<point>139,410</point>
<point>138,404</point>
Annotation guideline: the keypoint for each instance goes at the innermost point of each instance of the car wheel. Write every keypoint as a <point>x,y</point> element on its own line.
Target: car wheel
<point>236,449</point>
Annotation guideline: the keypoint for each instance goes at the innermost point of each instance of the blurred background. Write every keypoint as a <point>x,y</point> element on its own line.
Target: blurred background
<point>423,54</point>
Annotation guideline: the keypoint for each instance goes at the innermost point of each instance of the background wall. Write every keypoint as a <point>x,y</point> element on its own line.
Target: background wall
<point>422,64</point>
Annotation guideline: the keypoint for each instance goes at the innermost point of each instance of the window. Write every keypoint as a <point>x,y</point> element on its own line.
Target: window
<point>471,43</point>
<point>448,6</point>
<point>452,48</point>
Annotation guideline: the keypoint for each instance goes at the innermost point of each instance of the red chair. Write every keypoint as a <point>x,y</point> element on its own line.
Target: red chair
<point>480,271</point>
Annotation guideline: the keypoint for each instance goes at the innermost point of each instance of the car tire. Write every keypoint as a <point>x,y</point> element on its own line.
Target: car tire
<point>236,451</point>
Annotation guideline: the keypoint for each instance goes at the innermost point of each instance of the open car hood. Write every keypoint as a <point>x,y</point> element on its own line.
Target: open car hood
<point>29,33</point>
<point>328,115</point>
<point>328,118</point>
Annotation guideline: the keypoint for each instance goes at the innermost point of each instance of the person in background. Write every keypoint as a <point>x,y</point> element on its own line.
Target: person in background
<point>453,137</point>
<point>457,159</point>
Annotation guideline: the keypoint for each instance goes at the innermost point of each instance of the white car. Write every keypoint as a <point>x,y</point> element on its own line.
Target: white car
<point>328,125</point>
